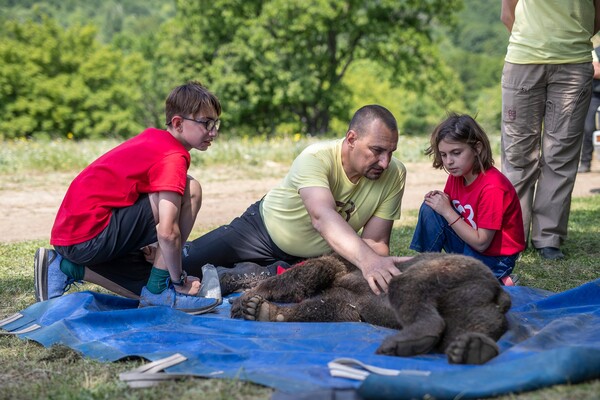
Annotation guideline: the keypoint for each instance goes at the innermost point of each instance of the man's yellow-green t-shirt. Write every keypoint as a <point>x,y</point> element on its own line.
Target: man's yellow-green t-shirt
<point>320,165</point>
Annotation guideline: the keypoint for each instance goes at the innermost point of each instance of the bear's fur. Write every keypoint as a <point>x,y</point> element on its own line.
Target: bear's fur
<point>439,302</point>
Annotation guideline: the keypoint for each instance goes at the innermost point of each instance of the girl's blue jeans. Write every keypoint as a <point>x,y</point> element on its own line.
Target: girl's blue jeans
<point>433,234</point>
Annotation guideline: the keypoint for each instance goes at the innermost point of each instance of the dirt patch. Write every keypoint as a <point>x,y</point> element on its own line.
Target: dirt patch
<point>30,203</point>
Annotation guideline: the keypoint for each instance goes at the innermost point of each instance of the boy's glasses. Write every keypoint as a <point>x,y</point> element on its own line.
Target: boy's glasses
<point>208,123</point>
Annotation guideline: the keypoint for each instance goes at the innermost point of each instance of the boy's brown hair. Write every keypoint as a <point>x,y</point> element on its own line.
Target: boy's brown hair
<point>189,99</point>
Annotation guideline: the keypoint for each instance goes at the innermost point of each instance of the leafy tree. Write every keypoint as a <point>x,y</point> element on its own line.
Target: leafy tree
<point>277,61</point>
<point>63,83</point>
<point>417,112</point>
<point>479,29</point>
<point>278,66</point>
<point>476,48</point>
<point>110,17</point>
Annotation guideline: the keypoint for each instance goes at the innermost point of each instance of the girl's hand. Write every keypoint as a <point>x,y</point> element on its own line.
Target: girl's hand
<point>432,193</point>
<point>438,201</point>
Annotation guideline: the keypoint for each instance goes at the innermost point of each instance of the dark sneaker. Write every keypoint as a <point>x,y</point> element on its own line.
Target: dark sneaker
<point>49,280</point>
<point>246,275</point>
<point>170,298</point>
<point>551,253</point>
<point>584,168</point>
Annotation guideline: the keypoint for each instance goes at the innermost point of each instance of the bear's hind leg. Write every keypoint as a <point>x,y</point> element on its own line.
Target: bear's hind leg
<point>471,348</point>
<point>418,336</point>
<point>413,301</point>
<point>472,329</point>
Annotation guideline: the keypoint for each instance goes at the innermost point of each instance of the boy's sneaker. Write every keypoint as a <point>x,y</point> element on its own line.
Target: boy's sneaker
<point>49,280</point>
<point>182,302</point>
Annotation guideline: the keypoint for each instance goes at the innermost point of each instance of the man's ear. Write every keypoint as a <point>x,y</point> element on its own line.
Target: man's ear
<point>351,137</point>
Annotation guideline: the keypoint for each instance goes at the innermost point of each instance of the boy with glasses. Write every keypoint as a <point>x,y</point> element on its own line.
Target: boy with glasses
<point>135,195</point>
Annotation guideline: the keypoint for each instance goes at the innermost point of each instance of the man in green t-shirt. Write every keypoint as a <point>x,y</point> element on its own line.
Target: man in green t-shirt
<point>341,195</point>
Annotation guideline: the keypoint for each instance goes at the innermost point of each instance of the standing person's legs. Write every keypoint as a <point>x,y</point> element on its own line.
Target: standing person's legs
<point>569,91</point>
<point>587,145</point>
<point>523,106</point>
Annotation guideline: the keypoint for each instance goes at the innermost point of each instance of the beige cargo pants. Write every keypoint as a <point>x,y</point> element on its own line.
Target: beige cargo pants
<point>543,112</point>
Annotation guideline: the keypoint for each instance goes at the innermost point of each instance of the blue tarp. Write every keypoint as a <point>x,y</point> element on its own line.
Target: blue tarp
<point>553,339</point>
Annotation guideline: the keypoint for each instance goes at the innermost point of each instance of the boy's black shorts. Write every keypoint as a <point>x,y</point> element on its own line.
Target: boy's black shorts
<point>115,253</point>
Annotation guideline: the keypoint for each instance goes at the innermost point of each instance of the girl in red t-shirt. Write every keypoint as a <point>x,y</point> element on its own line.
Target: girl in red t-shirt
<point>478,214</point>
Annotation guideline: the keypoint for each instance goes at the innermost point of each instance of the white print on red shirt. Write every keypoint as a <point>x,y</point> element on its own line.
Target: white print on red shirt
<point>466,212</point>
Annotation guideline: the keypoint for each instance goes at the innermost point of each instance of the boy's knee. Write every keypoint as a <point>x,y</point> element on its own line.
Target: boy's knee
<point>194,191</point>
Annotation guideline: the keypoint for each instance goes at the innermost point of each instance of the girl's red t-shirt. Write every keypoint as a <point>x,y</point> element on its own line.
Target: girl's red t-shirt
<point>490,202</point>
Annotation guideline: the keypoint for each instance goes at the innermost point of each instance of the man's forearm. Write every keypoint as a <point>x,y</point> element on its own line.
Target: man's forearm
<point>380,248</point>
<point>344,241</point>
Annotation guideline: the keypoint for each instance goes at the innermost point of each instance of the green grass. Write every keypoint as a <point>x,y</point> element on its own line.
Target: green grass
<point>69,155</point>
<point>30,371</point>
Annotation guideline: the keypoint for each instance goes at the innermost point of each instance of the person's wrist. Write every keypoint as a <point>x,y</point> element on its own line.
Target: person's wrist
<point>455,220</point>
<point>181,280</point>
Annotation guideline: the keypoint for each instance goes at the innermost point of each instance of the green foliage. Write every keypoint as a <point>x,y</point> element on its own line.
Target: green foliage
<point>276,62</point>
<point>475,49</point>
<point>488,108</point>
<point>20,158</point>
<point>102,69</point>
<point>476,71</point>
<point>480,30</point>
<point>111,17</point>
<point>417,112</point>
<point>48,156</point>
<point>72,156</point>
<point>63,83</point>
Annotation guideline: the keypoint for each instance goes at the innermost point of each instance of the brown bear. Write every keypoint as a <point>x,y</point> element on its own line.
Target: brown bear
<point>440,302</point>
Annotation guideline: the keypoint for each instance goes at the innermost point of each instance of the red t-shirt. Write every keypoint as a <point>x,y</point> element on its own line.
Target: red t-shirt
<point>490,202</point>
<point>150,162</point>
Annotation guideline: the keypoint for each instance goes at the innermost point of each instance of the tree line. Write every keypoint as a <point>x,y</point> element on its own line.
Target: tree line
<point>77,70</point>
